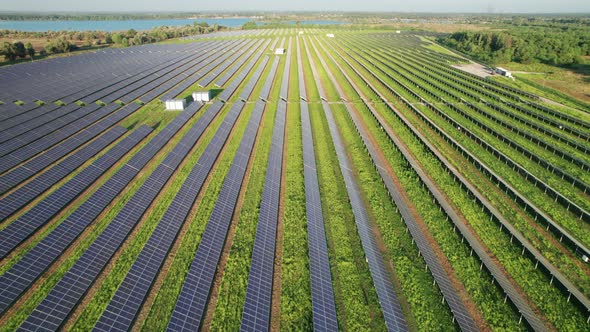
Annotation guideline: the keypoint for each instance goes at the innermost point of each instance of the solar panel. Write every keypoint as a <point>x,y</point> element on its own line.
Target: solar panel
<point>20,276</point>
<point>394,318</point>
<point>23,195</point>
<point>120,313</point>
<point>256,312</point>
<point>194,295</point>
<point>480,251</point>
<point>81,275</point>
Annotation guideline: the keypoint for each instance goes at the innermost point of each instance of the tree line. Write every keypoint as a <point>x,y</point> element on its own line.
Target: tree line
<point>66,41</point>
<point>525,45</point>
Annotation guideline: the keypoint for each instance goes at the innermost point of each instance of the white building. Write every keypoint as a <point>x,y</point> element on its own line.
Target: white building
<point>398,31</point>
<point>503,72</point>
<point>330,35</point>
<point>175,104</point>
<point>300,32</point>
<point>280,51</point>
<point>203,96</point>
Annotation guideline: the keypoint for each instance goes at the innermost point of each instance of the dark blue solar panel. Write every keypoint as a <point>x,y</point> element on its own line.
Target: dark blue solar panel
<point>20,277</point>
<point>257,305</point>
<point>125,304</point>
<point>194,295</point>
<point>72,286</point>
<point>23,195</point>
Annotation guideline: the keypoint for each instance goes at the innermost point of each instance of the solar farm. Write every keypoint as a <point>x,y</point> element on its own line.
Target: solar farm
<point>359,181</point>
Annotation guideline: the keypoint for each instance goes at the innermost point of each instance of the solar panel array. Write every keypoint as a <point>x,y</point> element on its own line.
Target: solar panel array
<point>125,304</point>
<point>322,293</point>
<point>235,83</point>
<point>390,306</point>
<point>23,138</point>
<point>213,69</point>
<point>72,78</point>
<point>256,314</point>
<point>245,94</point>
<point>59,143</point>
<point>284,93</point>
<point>23,119</point>
<point>394,318</point>
<point>537,257</point>
<point>480,251</point>
<point>26,193</point>
<point>236,66</point>
<point>194,295</point>
<point>265,92</point>
<point>460,312</point>
<point>21,275</point>
<point>60,301</point>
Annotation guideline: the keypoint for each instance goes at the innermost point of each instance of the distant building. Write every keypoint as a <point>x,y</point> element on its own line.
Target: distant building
<point>280,51</point>
<point>203,96</point>
<point>398,31</point>
<point>301,32</point>
<point>175,104</point>
<point>330,35</point>
<point>503,72</point>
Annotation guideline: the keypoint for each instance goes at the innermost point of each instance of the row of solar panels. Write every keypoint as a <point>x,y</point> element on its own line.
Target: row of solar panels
<point>257,304</point>
<point>52,119</point>
<point>462,316</point>
<point>488,207</point>
<point>71,136</point>
<point>519,198</point>
<point>55,79</point>
<point>213,70</point>
<point>566,155</point>
<point>50,302</point>
<point>57,305</point>
<point>443,78</point>
<point>233,86</point>
<point>25,151</point>
<point>192,301</point>
<point>390,306</point>
<point>491,265</point>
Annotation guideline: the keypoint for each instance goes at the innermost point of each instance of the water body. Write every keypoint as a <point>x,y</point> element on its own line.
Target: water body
<point>39,26</point>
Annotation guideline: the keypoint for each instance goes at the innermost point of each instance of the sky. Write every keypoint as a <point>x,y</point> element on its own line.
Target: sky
<point>459,6</point>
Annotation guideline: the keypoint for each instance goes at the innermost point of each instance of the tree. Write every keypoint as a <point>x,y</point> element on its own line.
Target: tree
<point>117,38</point>
<point>30,50</point>
<point>8,51</point>
<point>20,50</point>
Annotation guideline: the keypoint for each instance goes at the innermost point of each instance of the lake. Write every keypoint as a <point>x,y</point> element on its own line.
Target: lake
<point>38,26</point>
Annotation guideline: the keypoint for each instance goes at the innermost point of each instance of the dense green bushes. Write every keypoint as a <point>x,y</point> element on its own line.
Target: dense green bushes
<point>551,46</point>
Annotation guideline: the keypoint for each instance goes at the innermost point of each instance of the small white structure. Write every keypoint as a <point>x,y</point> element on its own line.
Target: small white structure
<point>175,104</point>
<point>503,72</point>
<point>300,32</point>
<point>398,31</point>
<point>203,96</point>
<point>330,35</point>
<point>280,51</point>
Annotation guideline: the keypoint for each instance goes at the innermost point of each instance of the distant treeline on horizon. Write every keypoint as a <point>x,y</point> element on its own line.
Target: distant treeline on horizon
<point>102,16</point>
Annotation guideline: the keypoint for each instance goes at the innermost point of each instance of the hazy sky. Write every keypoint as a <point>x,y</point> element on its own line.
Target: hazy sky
<point>485,6</point>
